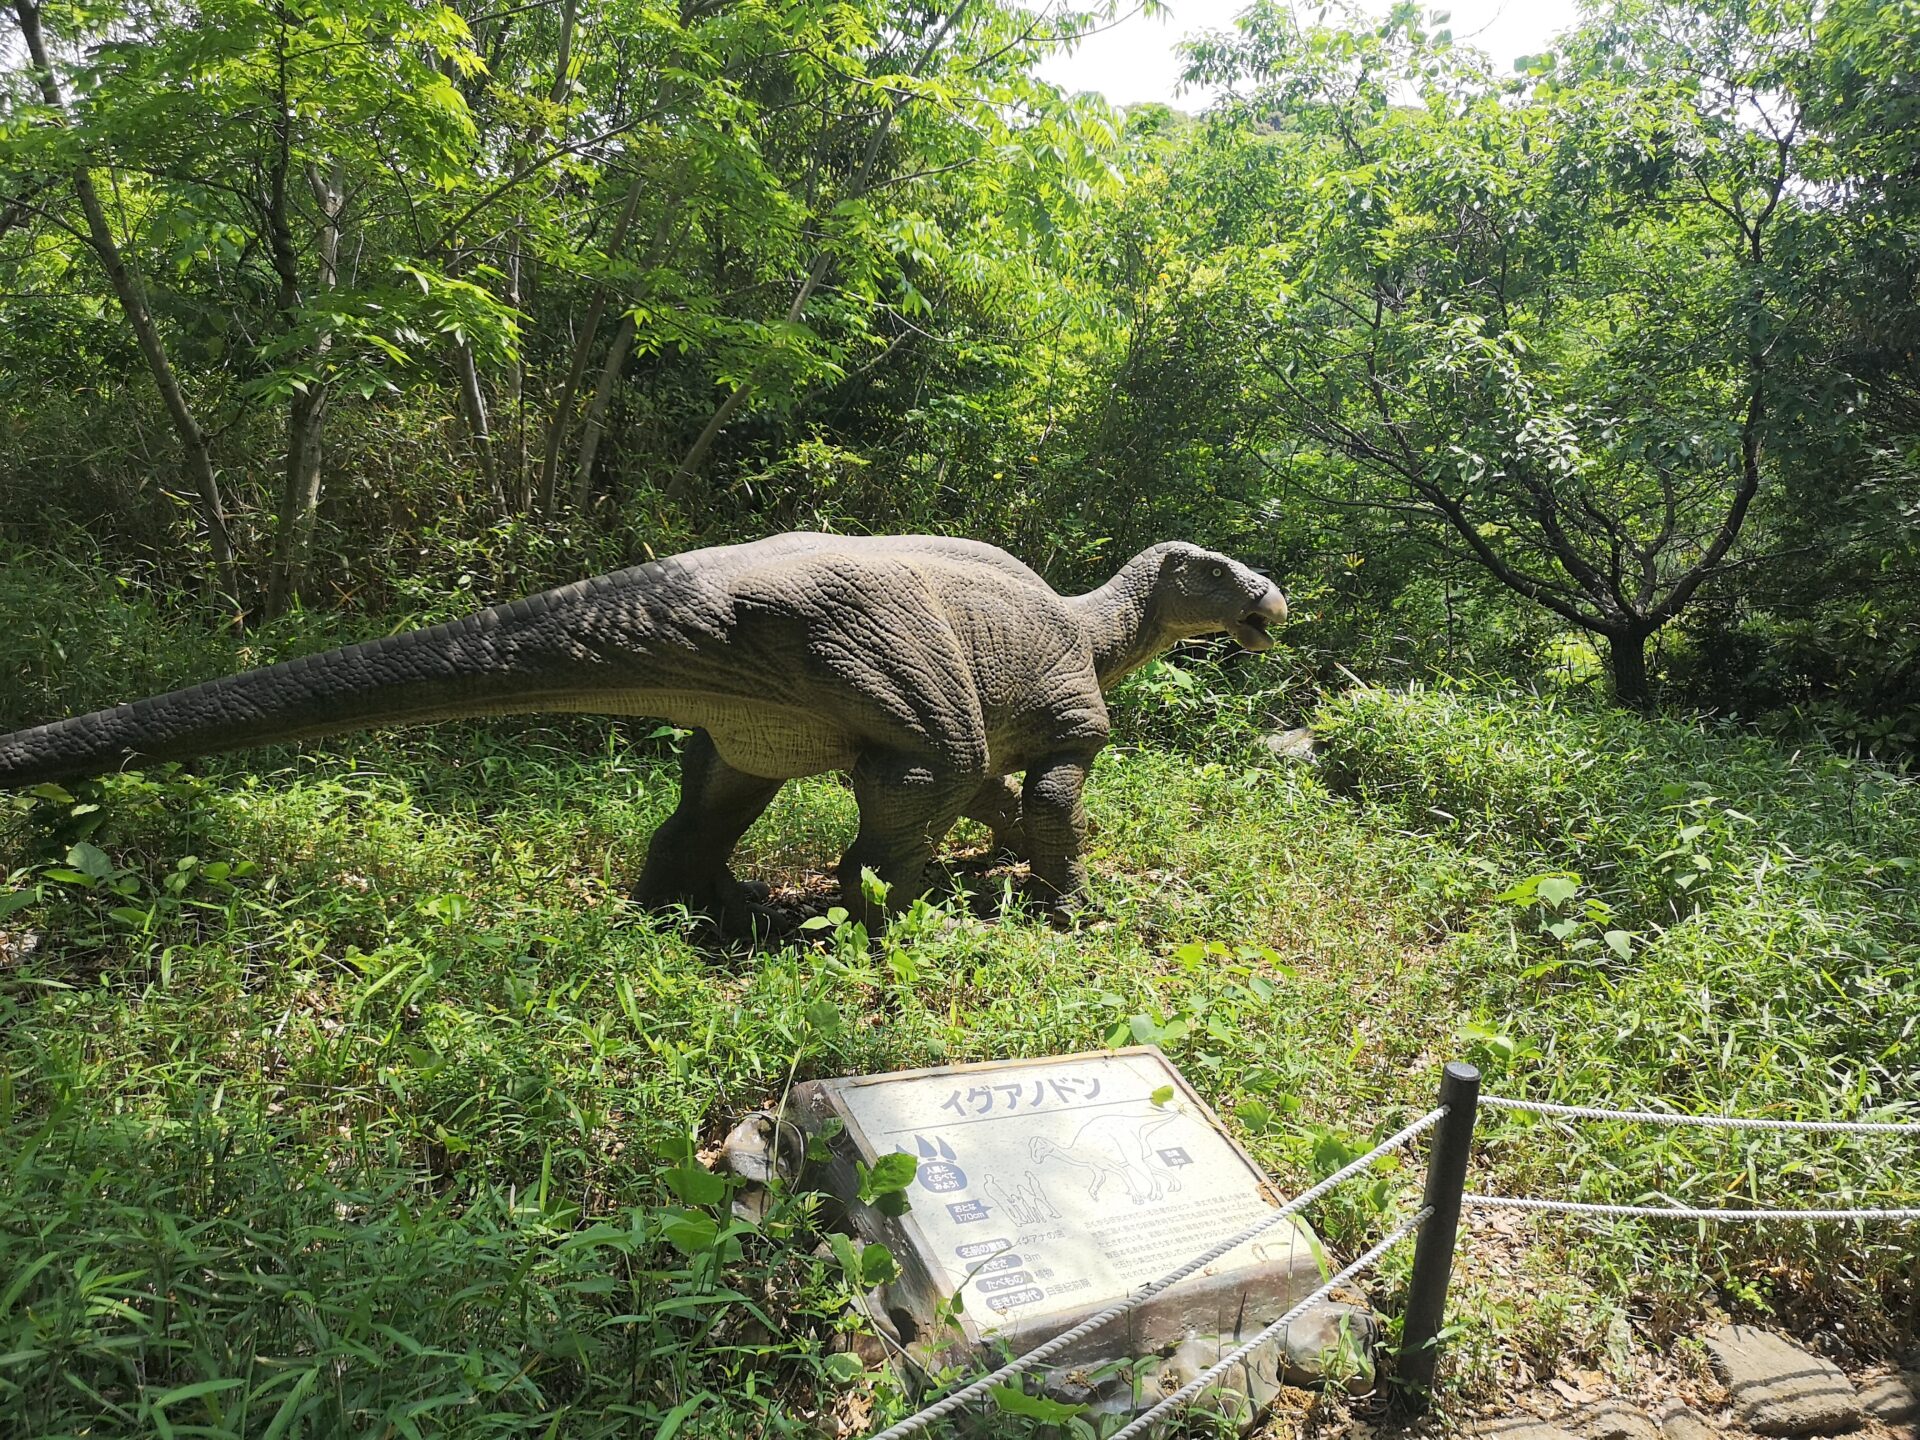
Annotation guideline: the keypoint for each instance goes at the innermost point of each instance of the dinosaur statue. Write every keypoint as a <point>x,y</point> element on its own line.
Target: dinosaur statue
<point>932,669</point>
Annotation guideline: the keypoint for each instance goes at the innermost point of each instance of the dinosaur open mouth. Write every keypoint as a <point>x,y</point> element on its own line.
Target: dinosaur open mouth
<point>1251,631</point>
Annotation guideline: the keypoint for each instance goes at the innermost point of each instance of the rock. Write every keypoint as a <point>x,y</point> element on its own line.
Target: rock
<point>1290,744</point>
<point>1894,1399</point>
<point>1678,1422</point>
<point>1077,1387</point>
<point>1778,1388</point>
<point>1617,1420</point>
<point>748,1149</point>
<point>1834,1346</point>
<point>748,1153</point>
<point>871,1350</point>
<point>1519,1427</point>
<point>752,1204</point>
<point>1240,1395</point>
<point>18,946</point>
<point>1332,1344</point>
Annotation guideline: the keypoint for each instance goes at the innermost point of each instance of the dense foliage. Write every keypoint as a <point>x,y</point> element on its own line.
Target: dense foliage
<point>343,1092</point>
<point>344,307</point>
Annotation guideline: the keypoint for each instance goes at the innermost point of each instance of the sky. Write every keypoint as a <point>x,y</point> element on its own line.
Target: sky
<point>1134,60</point>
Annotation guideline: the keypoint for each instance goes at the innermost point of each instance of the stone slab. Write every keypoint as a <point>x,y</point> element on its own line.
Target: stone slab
<point>1519,1427</point>
<point>1778,1388</point>
<point>1617,1420</point>
<point>1894,1399</point>
<point>1679,1422</point>
<point>1047,1189</point>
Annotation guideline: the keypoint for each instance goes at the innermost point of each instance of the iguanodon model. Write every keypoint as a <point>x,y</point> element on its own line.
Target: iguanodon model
<point>932,669</point>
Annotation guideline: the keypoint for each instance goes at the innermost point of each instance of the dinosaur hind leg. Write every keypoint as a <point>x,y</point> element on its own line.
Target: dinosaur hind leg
<point>996,804</point>
<point>687,857</point>
<point>906,810</point>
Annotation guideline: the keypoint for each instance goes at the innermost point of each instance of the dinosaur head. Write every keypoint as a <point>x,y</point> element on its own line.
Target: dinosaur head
<point>1200,592</point>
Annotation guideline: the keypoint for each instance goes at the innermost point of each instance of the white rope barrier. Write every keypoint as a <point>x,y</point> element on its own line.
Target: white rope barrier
<point>965,1396</point>
<point>1187,1392</point>
<point>1677,1212</point>
<point>1718,1122</point>
<point>962,1398</point>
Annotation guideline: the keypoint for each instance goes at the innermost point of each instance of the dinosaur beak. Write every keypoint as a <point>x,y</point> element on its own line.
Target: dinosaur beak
<point>1251,628</point>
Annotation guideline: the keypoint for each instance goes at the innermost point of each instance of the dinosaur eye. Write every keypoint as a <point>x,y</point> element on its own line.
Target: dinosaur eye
<point>1219,572</point>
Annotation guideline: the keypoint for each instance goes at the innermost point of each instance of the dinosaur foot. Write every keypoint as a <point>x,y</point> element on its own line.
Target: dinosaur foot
<point>1077,923</point>
<point>993,884</point>
<point>738,909</point>
<point>1064,912</point>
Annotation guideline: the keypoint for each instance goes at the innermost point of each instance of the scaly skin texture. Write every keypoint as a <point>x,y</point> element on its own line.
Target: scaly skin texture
<point>933,670</point>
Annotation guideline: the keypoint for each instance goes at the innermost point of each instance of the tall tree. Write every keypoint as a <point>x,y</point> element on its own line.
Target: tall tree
<point>1544,313</point>
<point>130,291</point>
<point>262,131</point>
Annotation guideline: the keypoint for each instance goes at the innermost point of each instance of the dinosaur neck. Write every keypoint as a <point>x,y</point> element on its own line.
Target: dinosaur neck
<point>1122,621</point>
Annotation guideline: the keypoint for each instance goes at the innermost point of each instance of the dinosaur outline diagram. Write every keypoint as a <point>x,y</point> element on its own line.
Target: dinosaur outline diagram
<point>1115,1146</point>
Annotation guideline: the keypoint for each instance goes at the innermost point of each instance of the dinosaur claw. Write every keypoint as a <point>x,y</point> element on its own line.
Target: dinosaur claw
<point>737,909</point>
<point>747,920</point>
<point>1064,913</point>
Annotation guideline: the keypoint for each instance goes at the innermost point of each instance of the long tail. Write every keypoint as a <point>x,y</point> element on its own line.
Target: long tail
<point>547,651</point>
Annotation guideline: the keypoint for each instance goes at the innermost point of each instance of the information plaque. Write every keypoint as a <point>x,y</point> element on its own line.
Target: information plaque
<point>1048,1189</point>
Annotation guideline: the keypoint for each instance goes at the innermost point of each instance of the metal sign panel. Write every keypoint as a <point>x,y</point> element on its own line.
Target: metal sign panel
<point>1049,1188</point>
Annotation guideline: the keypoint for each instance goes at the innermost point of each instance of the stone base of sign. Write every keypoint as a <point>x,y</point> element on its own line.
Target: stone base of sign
<point>1049,1189</point>
<point>1331,1344</point>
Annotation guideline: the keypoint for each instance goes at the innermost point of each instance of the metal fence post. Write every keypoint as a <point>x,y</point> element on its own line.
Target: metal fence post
<point>1433,1250</point>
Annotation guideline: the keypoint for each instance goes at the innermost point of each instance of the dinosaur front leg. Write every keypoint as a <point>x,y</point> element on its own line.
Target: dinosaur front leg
<point>1056,825</point>
<point>996,805</point>
<point>687,857</point>
<point>907,806</point>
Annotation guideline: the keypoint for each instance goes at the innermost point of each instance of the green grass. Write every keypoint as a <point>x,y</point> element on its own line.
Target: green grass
<point>344,1094</point>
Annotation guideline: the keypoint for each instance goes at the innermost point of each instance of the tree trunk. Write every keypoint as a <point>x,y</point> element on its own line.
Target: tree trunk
<point>299,498</point>
<point>562,419</point>
<point>473,405</point>
<point>133,304</point>
<point>1628,656</point>
<point>680,487</point>
<point>517,383</point>
<point>306,422</point>
<point>595,422</point>
<point>563,55</point>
